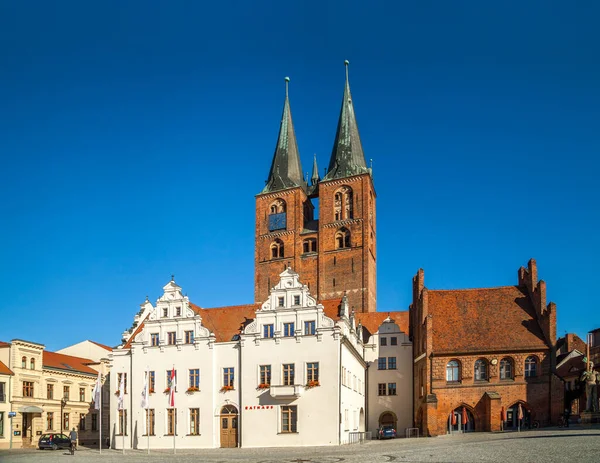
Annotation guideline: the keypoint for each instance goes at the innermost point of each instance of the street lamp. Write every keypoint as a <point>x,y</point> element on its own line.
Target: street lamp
<point>63,403</point>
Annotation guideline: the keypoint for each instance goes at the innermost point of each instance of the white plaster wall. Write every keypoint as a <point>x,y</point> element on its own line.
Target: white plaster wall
<point>400,404</point>
<point>317,406</point>
<point>353,398</point>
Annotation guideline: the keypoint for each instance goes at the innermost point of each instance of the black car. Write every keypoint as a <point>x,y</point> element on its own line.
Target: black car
<point>54,441</point>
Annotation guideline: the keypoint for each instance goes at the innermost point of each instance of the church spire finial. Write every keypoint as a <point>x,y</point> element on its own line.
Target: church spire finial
<point>347,64</point>
<point>286,171</point>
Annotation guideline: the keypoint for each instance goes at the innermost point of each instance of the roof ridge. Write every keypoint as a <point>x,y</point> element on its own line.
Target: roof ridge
<point>476,289</point>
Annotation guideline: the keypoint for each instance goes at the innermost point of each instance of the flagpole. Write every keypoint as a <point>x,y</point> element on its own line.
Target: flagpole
<point>100,411</point>
<point>123,411</point>
<point>174,379</point>
<point>148,406</point>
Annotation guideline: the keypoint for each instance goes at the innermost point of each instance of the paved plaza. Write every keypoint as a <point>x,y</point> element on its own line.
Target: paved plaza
<point>553,445</point>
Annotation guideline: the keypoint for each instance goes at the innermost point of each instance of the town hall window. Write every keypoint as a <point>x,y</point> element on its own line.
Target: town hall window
<point>268,331</point>
<point>228,377</point>
<point>530,367</point>
<point>452,371</point>
<point>277,249</point>
<point>381,363</point>
<point>288,329</point>
<point>265,375</point>
<point>506,370</point>
<point>312,372</point>
<point>343,207</point>
<point>154,339</point>
<point>309,327</point>
<point>481,370</point>
<point>288,374</point>
<point>288,418</point>
<point>342,238</point>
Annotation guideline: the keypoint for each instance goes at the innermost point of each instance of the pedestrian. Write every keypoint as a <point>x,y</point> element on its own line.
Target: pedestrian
<point>73,437</point>
<point>567,416</point>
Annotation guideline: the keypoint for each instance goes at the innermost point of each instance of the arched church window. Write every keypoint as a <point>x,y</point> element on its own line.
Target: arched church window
<point>343,204</point>
<point>342,238</point>
<point>309,245</point>
<point>277,249</point>
<point>277,215</point>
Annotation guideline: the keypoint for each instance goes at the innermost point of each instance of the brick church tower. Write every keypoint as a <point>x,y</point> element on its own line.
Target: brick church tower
<point>334,253</point>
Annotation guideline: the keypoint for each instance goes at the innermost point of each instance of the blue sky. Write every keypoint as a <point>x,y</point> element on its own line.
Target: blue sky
<point>134,136</point>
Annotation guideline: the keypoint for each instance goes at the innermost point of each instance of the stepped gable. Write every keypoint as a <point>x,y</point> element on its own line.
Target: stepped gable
<point>484,319</point>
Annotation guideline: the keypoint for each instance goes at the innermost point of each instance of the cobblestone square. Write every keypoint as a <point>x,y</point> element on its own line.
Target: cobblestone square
<point>553,445</point>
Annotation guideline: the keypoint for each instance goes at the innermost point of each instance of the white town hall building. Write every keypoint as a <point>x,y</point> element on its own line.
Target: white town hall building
<point>289,372</point>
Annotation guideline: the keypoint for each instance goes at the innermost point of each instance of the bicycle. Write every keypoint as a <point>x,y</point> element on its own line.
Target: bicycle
<point>563,422</point>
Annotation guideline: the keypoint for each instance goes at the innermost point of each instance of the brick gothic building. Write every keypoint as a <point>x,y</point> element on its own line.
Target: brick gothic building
<point>484,349</point>
<point>334,253</point>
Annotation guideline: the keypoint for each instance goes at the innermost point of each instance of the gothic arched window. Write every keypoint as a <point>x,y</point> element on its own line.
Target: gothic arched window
<point>309,245</point>
<point>343,204</point>
<point>277,207</point>
<point>342,238</point>
<point>481,370</point>
<point>277,249</point>
<point>530,367</point>
<point>506,368</point>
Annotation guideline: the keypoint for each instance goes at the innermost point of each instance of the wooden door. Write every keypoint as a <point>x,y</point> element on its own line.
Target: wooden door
<point>229,428</point>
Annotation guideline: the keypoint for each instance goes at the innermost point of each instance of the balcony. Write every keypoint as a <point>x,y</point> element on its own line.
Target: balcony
<point>286,392</point>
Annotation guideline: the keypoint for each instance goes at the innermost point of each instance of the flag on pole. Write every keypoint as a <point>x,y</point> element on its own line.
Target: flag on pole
<point>97,391</point>
<point>145,393</point>
<point>121,391</point>
<point>172,387</point>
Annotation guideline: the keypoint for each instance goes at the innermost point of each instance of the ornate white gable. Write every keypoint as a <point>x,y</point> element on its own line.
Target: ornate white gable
<point>289,293</point>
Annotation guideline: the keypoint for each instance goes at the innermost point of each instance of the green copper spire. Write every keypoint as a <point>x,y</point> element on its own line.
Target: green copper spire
<point>286,171</point>
<point>347,157</point>
<point>315,173</point>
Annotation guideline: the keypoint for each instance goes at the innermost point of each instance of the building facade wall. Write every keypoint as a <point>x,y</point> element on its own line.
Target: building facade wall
<point>399,405</point>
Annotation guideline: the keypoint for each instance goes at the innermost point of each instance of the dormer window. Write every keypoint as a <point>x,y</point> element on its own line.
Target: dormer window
<point>296,300</point>
<point>281,302</point>
<point>178,311</point>
<point>165,312</point>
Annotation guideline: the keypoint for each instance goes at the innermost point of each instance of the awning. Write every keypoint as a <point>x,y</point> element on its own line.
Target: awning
<point>30,409</point>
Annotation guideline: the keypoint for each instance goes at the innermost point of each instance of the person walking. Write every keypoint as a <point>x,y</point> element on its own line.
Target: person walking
<point>73,437</point>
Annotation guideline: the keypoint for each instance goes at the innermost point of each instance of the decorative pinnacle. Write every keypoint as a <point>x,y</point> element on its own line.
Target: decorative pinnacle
<point>172,277</point>
<point>346,63</point>
<point>287,84</point>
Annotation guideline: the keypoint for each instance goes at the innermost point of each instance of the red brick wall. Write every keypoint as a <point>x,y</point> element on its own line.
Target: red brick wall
<point>351,270</point>
<point>330,272</point>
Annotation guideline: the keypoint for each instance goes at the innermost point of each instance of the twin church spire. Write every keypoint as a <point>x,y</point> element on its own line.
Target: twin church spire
<point>347,156</point>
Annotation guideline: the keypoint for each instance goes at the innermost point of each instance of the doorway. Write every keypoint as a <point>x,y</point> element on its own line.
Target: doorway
<point>229,426</point>
<point>26,428</point>
<point>388,419</point>
<point>456,422</point>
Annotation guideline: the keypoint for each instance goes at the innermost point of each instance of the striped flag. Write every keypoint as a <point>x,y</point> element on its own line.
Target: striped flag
<point>172,389</point>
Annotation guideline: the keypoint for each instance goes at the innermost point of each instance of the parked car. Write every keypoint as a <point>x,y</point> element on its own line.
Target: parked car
<point>386,432</point>
<point>54,441</point>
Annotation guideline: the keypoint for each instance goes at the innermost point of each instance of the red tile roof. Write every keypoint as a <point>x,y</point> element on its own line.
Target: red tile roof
<point>4,344</point>
<point>369,320</point>
<point>135,333</point>
<point>483,319</point>
<point>67,363</point>
<point>101,345</point>
<point>226,322</point>
<point>4,370</point>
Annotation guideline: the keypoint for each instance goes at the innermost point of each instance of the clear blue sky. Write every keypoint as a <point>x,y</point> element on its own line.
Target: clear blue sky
<point>134,136</point>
